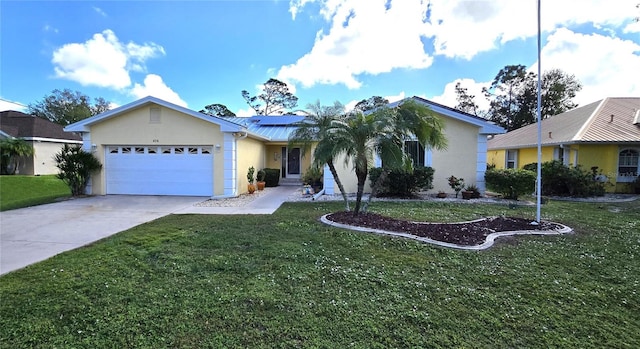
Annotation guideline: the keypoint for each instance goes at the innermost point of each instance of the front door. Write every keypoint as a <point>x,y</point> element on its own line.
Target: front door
<point>293,163</point>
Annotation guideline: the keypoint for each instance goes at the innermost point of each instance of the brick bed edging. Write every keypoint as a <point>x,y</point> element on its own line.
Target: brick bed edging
<point>488,241</point>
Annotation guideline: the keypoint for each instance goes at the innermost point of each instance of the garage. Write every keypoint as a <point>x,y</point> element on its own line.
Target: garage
<point>159,170</point>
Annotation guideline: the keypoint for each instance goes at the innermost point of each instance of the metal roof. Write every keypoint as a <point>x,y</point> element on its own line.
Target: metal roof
<point>273,128</point>
<point>606,121</point>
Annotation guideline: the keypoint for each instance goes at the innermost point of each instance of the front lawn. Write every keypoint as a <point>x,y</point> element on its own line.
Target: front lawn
<point>23,191</point>
<point>285,280</point>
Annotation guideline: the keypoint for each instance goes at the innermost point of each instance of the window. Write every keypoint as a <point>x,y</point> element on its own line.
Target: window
<point>206,150</point>
<point>139,150</point>
<point>512,159</point>
<point>628,160</point>
<point>126,150</point>
<point>177,150</point>
<point>166,150</point>
<point>152,150</point>
<point>193,150</point>
<point>113,150</point>
<point>416,151</point>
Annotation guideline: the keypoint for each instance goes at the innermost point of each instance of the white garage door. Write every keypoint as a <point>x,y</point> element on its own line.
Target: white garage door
<point>160,170</point>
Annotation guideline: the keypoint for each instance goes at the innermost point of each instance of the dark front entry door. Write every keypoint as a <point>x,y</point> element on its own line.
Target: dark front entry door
<point>293,162</point>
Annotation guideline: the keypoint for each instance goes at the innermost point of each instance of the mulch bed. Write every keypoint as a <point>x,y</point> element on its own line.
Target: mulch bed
<point>464,234</point>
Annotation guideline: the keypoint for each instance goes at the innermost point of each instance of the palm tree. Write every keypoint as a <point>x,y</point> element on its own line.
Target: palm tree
<point>383,132</point>
<point>11,150</point>
<point>313,130</point>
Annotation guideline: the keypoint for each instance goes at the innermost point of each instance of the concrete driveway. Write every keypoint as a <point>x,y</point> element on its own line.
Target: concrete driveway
<point>33,234</point>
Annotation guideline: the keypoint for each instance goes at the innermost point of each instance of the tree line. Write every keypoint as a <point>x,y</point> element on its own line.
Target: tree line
<point>513,96</point>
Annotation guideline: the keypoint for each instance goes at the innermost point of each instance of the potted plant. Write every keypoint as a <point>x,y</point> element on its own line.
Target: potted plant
<point>251,187</point>
<point>441,194</point>
<point>457,184</point>
<point>313,177</point>
<point>471,192</point>
<point>260,179</point>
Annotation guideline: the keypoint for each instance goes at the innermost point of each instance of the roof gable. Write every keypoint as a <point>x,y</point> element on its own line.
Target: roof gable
<point>20,125</point>
<point>83,125</point>
<point>486,127</point>
<point>590,123</point>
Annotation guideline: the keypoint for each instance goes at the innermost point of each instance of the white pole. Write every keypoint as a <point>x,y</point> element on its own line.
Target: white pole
<point>539,175</point>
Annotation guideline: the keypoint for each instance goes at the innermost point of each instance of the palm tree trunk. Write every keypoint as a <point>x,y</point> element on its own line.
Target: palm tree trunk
<point>334,173</point>
<point>362,179</point>
<point>376,187</point>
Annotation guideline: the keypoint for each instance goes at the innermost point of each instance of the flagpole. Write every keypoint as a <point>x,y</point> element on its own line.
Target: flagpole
<point>539,117</point>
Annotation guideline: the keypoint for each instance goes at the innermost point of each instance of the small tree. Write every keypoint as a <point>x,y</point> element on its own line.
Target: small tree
<point>76,166</point>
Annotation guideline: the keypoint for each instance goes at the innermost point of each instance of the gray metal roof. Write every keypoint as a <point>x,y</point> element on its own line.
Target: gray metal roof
<point>587,124</point>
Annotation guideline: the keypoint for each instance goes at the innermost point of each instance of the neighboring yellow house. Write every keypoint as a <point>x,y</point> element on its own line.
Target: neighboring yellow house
<point>605,134</point>
<point>153,147</point>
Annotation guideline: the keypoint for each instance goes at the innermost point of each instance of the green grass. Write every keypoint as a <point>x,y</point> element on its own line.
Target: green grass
<point>286,280</point>
<point>23,191</point>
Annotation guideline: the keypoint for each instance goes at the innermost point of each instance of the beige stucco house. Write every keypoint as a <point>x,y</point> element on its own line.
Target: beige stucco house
<point>153,147</point>
<point>46,138</point>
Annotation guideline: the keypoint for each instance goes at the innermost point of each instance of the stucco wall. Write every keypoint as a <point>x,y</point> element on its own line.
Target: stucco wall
<point>604,156</point>
<point>460,159</point>
<point>250,153</point>
<point>174,128</point>
<point>43,162</point>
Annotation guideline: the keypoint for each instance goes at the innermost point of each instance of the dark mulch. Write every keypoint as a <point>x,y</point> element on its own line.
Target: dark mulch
<point>465,234</point>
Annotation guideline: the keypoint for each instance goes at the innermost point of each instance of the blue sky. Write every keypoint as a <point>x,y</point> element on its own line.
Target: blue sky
<point>195,53</point>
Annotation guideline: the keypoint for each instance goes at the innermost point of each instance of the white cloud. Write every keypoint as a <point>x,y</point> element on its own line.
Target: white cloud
<point>474,88</point>
<point>606,66</point>
<point>102,60</point>
<point>100,11</point>
<point>154,86</point>
<point>9,105</point>
<point>364,38</point>
<point>245,112</point>
<point>377,36</point>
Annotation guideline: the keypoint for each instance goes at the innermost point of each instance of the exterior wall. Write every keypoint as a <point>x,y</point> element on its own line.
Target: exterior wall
<point>174,128</point>
<point>347,176</point>
<point>604,156</point>
<point>251,152</point>
<point>460,159</point>
<point>43,162</point>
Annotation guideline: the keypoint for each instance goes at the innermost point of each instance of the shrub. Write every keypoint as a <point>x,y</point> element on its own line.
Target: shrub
<point>76,166</point>
<point>456,184</point>
<point>402,183</point>
<point>561,180</point>
<point>511,183</point>
<point>271,177</point>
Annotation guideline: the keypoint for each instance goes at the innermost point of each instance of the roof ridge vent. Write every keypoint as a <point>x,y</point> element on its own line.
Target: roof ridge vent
<point>636,118</point>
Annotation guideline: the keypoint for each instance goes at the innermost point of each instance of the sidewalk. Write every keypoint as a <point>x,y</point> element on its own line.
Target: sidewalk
<point>265,204</point>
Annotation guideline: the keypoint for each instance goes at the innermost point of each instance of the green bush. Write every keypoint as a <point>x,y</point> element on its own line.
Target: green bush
<point>271,177</point>
<point>401,183</point>
<point>561,180</point>
<point>76,166</point>
<point>511,183</point>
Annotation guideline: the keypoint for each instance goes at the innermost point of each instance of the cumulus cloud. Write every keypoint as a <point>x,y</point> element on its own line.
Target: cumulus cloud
<point>154,86</point>
<point>606,66</point>
<point>474,88</point>
<point>102,60</point>
<point>364,37</point>
<point>377,36</point>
